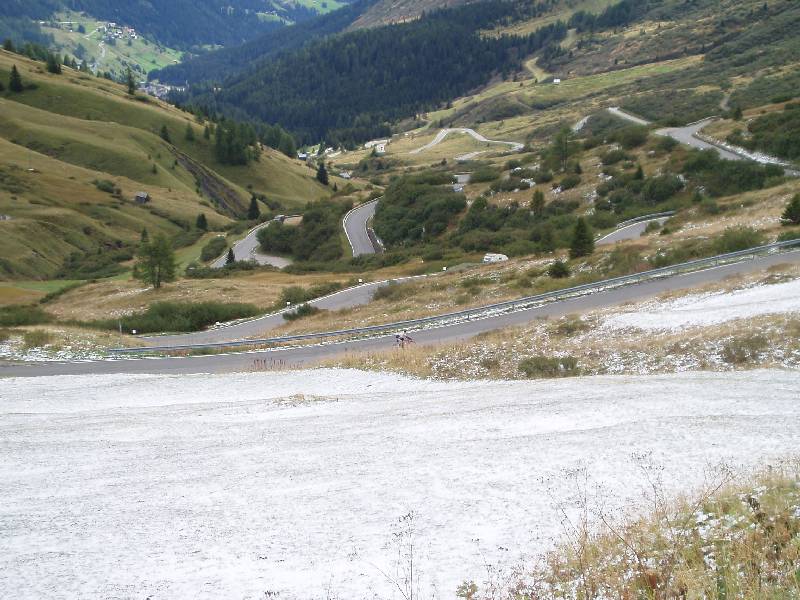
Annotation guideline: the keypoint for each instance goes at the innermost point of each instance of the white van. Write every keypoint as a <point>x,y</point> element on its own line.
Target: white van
<point>491,257</point>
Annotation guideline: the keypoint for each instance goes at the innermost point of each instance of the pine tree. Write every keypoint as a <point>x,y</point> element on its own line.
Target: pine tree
<point>15,81</point>
<point>231,258</point>
<point>202,222</point>
<point>639,173</point>
<point>206,133</point>
<point>322,173</point>
<point>145,237</point>
<point>8,45</point>
<point>156,262</point>
<point>791,216</point>
<point>537,203</point>
<point>53,64</point>
<point>130,82</point>
<point>253,212</point>
<point>189,135</point>
<point>582,239</point>
<point>737,113</point>
<point>155,169</point>
<point>165,134</point>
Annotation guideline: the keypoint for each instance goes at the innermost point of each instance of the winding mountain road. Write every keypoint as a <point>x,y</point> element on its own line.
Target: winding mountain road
<point>443,133</point>
<point>308,355</point>
<point>690,135</point>
<point>248,249</point>
<point>629,232</point>
<point>356,228</point>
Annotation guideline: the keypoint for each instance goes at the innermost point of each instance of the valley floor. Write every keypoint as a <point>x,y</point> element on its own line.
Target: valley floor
<point>293,483</point>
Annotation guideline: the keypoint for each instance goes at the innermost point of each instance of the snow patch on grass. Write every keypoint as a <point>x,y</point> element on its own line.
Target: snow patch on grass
<point>711,309</point>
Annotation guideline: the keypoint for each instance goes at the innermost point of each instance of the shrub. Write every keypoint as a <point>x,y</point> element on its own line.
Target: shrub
<point>104,185</point>
<point>393,292</point>
<point>612,157</point>
<point>743,350</point>
<point>213,249</point>
<point>16,315</point>
<point>36,339</point>
<point>570,181</point>
<point>484,174</point>
<point>570,326</point>
<point>734,239</point>
<point>661,188</point>
<point>558,270</point>
<point>536,367</point>
<point>296,294</point>
<point>179,316</point>
<point>304,310</point>
<point>631,137</point>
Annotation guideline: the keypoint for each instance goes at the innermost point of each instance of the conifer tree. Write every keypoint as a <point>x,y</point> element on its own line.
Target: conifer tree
<point>322,173</point>
<point>8,45</point>
<point>202,222</point>
<point>537,203</point>
<point>189,133</point>
<point>791,216</point>
<point>165,134</point>
<point>15,81</point>
<point>53,64</point>
<point>130,82</point>
<point>231,258</point>
<point>582,239</point>
<point>253,212</point>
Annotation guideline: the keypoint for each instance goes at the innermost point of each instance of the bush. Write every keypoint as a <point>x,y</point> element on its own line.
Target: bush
<point>631,137</point>
<point>17,315</point>
<point>36,339</point>
<point>296,294</point>
<point>612,157</point>
<point>661,188</point>
<point>484,174</point>
<point>179,316</point>
<point>213,249</point>
<point>537,367</point>
<point>304,310</point>
<point>104,185</point>
<point>743,350</point>
<point>558,270</point>
<point>570,181</point>
<point>734,239</point>
<point>393,292</point>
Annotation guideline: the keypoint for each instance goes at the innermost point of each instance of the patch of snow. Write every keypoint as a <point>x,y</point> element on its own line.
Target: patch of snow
<point>711,309</point>
<point>234,486</point>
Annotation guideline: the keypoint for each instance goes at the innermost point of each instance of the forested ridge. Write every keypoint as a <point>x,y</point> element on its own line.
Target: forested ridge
<point>346,88</point>
<point>218,65</point>
<point>175,23</point>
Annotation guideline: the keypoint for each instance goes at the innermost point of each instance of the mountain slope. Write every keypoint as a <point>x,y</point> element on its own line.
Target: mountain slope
<point>74,150</point>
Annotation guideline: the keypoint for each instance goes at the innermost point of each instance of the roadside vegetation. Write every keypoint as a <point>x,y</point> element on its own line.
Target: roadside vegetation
<point>736,537</point>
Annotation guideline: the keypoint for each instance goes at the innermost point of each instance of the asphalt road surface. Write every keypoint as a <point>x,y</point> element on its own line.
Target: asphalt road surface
<point>629,232</point>
<point>310,355</point>
<point>258,328</point>
<point>355,227</point>
<point>247,249</point>
<point>515,146</point>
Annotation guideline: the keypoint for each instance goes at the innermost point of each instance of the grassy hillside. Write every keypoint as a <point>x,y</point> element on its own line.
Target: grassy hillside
<point>66,132</point>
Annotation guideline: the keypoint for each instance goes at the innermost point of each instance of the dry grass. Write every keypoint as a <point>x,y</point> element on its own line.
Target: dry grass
<point>734,538</point>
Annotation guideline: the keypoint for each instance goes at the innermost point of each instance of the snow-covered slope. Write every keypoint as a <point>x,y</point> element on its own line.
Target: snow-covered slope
<point>711,309</point>
<point>231,486</point>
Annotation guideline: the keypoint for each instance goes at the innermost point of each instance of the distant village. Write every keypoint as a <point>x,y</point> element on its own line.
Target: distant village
<point>113,31</point>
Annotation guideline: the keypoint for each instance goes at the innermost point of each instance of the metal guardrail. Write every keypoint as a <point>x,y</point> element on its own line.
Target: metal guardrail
<point>492,309</point>
<point>668,213</point>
